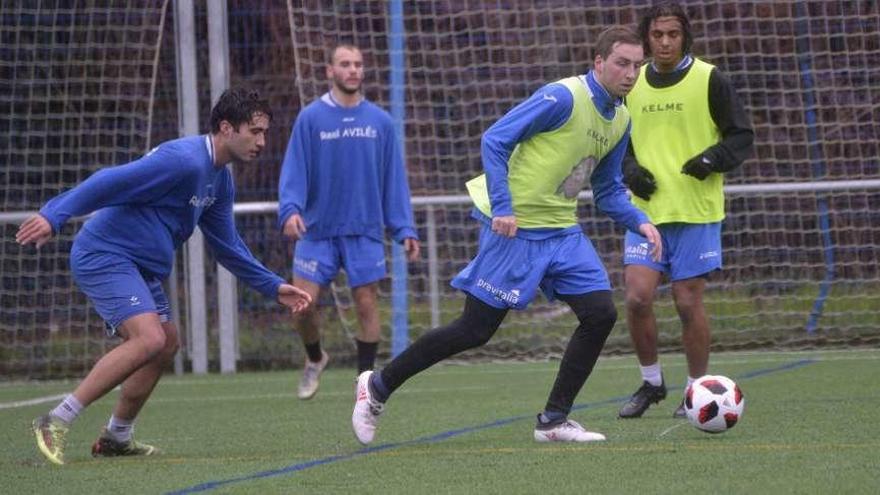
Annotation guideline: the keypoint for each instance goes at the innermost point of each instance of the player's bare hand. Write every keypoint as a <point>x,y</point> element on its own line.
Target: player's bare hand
<point>294,227</point>
<point>294,298</point>
<point>653,235</point>
<point>412,248</point>
<point>505,226</point>
<point>35,229</point>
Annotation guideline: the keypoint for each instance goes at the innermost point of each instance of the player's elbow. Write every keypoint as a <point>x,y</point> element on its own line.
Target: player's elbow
<point>490,143</point>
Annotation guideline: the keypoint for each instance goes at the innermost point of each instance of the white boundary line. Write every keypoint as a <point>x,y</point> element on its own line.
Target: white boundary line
<point>679,425</point>
<point>733,358</point>
<point>31,402</point>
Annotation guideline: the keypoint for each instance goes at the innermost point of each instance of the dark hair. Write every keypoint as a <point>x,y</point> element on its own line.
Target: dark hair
<point>666,9</point>
<point>332,50</point>
<point>615,34</point>
<point>238,106</point>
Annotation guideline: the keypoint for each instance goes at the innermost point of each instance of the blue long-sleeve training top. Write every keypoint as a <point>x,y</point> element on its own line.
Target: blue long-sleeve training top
<point>147,208</point>
<point>539,113</point>
<point>344,174</point>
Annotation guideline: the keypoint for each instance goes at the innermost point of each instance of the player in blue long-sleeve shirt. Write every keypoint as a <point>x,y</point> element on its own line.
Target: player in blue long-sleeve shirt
<point>537,158</point>
<point>144,211</point>
<point>536,115</point>
<point>342,184</point>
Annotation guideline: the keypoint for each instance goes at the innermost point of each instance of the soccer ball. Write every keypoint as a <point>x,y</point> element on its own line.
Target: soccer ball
<point>714,403</point>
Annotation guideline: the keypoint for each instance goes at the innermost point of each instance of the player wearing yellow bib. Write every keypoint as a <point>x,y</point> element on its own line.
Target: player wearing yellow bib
<point>537,158</point>
<point>688,128</point>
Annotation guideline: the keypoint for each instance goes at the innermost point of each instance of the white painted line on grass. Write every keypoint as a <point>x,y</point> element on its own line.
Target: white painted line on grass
<point>328,393</point>
<point>667,430</point>
<point>31,402</point>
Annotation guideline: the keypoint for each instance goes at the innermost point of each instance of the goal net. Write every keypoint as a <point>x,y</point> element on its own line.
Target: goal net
<point>76,94</point>
<point>802,267</point>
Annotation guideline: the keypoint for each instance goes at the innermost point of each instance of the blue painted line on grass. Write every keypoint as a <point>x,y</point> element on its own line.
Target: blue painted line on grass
<point>784,367</point>
<point>293,468</point>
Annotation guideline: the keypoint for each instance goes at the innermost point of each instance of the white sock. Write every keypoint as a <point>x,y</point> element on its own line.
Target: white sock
<point>68,410</point>
<point>652,374</point>
<point>120,429</point>
<point>690,380</point>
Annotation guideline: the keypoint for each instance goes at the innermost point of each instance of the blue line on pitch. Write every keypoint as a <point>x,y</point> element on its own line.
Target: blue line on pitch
<point>212,485</point>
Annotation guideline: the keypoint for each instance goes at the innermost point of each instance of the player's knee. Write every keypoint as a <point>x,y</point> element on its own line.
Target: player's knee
<point>479,321</point>
<point>687,305</point>
<point>467,333</point>
<point>368,313</point>
<point>597,315</point>
<point>366,296</point>
<point>474,331</point>
<point>152,341</point>
<point>481,330</point>
<point>638,301</point>
<point>603,316</point>
<point>309,315</point>
<point>481,335</point>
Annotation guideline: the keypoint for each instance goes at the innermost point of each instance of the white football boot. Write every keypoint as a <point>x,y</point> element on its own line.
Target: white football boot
<point>366,410</point>
<point>311,377</point>
<point>568,431</point>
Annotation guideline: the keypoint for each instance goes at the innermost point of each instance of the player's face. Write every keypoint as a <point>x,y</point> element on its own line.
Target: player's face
<point>347,70</point>
<point>666,39</point>
<point>247,142</point>
<point>618,72</point>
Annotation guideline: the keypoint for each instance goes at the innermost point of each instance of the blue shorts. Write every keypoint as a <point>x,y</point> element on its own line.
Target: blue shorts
<point>117,288</point>
<point>507,272</point>
<point>362,258</point>
<point>689,250</point>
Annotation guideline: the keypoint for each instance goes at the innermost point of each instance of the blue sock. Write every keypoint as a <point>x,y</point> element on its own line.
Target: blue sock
<point>551,417</point>
<point>377,387</point>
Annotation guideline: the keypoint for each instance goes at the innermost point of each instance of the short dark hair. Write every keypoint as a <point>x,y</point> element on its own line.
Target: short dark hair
<point>238,106</point>
<point>666,9</point>
<point>331,52</point>
<point>615,34</point>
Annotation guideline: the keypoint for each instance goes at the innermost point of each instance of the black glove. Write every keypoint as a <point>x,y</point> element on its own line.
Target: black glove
<point>639,180</point>
<point>698,167</point>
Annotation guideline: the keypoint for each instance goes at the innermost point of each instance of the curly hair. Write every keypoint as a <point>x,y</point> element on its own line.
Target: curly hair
<point>666,9</point>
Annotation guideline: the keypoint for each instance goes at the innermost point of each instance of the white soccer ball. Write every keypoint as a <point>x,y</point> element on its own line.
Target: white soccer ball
<point>714,403</point>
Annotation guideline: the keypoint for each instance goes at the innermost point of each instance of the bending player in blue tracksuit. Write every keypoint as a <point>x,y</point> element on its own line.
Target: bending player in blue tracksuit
<point>144,211</point>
